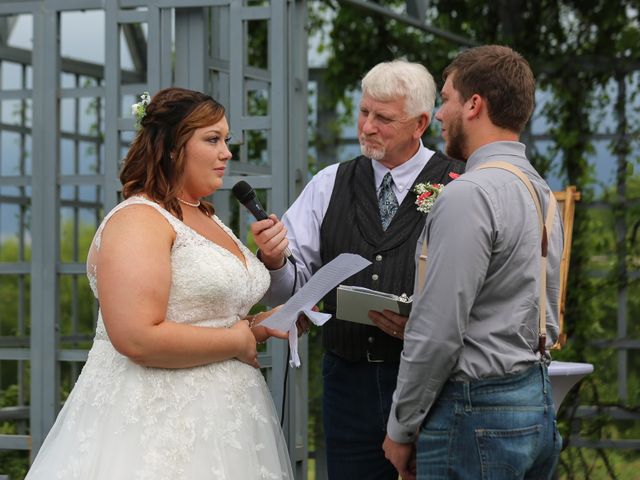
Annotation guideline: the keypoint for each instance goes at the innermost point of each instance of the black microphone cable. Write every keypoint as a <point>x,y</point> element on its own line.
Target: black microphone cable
<point>286,365</point>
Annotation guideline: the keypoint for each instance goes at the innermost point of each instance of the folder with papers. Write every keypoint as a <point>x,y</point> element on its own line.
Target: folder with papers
<point>354,303</point>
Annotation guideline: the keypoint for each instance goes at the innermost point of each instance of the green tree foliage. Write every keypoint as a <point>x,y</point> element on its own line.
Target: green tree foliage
<point>12,463</point>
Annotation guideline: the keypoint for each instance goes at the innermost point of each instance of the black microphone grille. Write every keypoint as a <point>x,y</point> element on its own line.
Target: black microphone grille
<point>243,191</point>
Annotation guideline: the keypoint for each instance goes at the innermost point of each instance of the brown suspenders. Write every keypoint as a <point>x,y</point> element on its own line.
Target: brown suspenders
<point>545,228</point>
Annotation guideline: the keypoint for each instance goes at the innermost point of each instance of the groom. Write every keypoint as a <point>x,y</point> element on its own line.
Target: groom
<point>364,206</point>
<point>473,396</point>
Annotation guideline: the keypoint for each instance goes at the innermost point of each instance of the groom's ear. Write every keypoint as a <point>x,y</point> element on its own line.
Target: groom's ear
<point>474,107</point>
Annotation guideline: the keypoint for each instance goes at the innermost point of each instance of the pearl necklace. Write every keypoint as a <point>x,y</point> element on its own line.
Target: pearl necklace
<point>197,204</point>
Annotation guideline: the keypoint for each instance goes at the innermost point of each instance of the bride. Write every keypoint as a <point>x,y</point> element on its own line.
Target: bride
<point>172,387</point>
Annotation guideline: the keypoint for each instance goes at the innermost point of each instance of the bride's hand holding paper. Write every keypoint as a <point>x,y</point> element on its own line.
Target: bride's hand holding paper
<point>263,333</point>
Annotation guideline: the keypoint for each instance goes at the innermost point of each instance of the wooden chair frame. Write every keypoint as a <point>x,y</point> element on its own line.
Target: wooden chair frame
<point>566,204</point>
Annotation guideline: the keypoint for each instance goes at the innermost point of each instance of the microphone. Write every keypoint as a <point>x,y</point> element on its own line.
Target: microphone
<point>246,195</point>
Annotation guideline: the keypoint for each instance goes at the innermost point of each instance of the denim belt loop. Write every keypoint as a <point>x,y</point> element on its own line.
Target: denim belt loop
<point>544,377</point>
<point>466,393</point>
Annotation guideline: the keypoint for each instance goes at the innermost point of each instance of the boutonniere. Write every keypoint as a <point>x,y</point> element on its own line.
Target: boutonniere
<point>427,195</point>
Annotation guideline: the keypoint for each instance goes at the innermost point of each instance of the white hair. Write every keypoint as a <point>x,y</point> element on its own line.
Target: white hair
<point>400,78</point>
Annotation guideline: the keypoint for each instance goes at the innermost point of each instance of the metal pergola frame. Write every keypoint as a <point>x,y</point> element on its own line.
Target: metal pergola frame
<point>187,57</point>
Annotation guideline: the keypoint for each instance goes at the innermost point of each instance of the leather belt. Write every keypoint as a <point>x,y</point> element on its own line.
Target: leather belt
<point>373,360</point>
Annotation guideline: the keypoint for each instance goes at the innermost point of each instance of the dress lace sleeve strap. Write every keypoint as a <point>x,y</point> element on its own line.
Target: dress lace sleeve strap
<point>135,200</point>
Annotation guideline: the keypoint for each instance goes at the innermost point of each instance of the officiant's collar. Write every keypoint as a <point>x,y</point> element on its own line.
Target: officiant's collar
<point>403,175</point>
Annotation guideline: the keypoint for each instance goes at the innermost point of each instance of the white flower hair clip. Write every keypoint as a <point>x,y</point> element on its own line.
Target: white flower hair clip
<point>139,110</point>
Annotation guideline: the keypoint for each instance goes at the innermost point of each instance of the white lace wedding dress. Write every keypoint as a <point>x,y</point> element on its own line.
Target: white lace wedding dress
<point>217,421</point>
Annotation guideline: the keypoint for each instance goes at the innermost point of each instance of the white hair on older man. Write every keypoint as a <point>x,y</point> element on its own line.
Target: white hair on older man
<point>400,78</point>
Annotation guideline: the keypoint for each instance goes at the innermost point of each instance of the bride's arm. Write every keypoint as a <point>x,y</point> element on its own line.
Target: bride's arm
<point>134,278</point>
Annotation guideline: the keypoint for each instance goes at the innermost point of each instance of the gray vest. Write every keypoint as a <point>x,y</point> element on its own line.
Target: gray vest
<point>352,224</point>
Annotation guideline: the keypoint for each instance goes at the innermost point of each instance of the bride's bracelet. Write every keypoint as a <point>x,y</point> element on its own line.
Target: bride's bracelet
<point>252,320</point>
<point>252,323</point>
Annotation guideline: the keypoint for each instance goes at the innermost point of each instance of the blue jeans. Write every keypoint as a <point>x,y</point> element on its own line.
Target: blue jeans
<point>502,428</point>
<point>356,401</point>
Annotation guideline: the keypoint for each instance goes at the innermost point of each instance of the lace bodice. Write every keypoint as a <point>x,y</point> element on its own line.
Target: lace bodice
<point>209,284</point>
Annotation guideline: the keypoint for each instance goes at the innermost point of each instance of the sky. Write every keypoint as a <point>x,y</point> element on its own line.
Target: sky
<point>81,36</point>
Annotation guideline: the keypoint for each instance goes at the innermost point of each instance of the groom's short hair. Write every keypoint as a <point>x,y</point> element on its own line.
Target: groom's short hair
<point>502,77</point>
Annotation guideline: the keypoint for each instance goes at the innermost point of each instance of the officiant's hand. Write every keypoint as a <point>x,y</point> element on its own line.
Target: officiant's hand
<point>389,322</point>
<point>271,237</point>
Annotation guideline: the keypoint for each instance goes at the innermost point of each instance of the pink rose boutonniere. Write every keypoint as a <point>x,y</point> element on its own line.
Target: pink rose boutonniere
<point>427,195</point>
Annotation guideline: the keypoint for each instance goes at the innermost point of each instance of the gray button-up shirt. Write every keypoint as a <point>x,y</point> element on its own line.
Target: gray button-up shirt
<point>478,313</point>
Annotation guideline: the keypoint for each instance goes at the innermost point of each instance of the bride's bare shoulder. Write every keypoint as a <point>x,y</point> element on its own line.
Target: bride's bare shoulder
<point>138,221</point>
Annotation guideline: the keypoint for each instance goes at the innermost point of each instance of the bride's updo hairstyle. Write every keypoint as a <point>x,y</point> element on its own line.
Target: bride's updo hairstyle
<point>155,164</point>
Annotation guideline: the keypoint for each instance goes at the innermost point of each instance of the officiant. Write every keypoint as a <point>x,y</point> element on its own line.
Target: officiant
<point>366,206</point>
